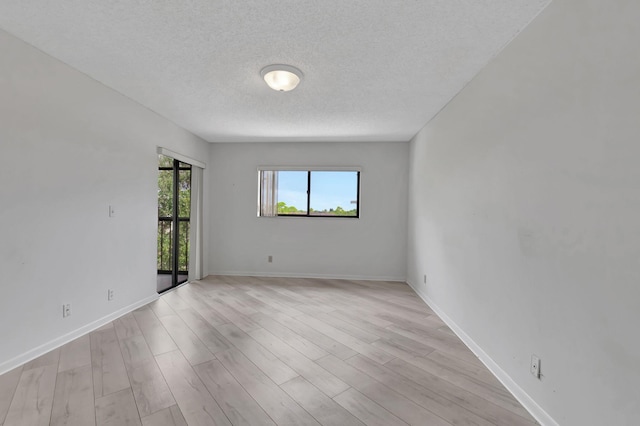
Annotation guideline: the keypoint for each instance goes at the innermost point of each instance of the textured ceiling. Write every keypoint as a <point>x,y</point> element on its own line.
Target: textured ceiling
<point>375,70</point>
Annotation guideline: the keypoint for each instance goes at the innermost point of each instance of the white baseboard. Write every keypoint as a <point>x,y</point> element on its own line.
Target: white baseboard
<point>302,275</point>
<point>527,402</point>
<point>59,341</point>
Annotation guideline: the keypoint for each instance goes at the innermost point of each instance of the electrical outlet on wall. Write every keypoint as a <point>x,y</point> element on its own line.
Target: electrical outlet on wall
<point>66,310</point>
<point>110,294</point>
<point>270,259</point>
<point>535,366</point>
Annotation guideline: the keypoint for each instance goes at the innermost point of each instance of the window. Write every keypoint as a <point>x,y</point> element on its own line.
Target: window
<point>309,193</point>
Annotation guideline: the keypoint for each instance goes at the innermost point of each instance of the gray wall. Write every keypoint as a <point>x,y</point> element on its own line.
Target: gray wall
<point>373,246</point>
<point>523,213</point>
<point>70,148</point>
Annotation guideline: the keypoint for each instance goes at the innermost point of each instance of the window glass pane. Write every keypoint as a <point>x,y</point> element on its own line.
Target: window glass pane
<point>183,246</point>
<point>292,192</point>
<point>164,245</point>
<point>165,161</point>
<point>165,193</point>
<point>334,193</point>
<point>184,194</point>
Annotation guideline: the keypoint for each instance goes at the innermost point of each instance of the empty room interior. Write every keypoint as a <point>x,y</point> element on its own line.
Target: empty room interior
<point>320,213</point>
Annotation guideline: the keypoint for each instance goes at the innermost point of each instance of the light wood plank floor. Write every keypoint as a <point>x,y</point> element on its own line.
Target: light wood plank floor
<point>264,351</point>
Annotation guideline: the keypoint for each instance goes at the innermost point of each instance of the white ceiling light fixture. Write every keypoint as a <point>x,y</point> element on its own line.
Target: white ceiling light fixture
<point>281,77</point>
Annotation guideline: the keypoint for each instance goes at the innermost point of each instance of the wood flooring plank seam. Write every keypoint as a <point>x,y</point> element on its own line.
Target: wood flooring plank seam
<point>242,385</point>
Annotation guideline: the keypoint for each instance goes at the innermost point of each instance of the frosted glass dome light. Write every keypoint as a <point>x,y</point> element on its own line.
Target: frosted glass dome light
<point>281,77</point>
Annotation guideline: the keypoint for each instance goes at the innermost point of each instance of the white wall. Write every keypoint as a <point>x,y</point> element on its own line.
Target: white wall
<point>525,206</point>
<point>70,147</point>
<point>373,246</point>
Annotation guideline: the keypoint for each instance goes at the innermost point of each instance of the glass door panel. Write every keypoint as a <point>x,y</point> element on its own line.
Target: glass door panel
<point>174,211</point>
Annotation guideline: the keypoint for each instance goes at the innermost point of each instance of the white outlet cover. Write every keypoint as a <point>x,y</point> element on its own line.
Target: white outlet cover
<point>535,366</point>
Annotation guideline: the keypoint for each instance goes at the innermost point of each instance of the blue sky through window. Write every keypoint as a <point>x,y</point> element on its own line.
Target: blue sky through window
<point>329,189</point>
<point>292,189</point>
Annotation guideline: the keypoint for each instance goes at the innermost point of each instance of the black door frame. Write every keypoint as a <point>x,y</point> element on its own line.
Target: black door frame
<point>175,221</point>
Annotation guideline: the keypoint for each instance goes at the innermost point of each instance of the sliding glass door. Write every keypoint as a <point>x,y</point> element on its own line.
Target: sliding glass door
<point>174,213</point>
